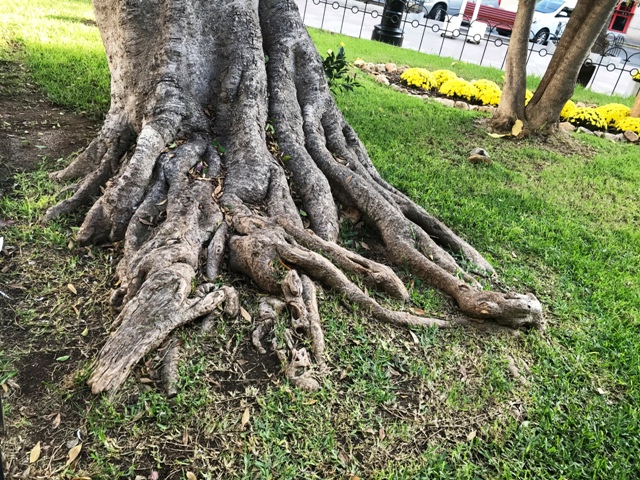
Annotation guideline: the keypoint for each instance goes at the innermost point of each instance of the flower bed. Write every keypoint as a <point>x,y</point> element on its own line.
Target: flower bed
<point>610,117</point>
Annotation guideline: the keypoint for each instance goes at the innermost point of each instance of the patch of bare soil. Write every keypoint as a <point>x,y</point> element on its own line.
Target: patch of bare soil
<point>40,406</point>
<point>32,129</point>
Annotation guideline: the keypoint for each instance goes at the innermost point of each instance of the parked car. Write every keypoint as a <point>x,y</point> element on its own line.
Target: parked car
<point>439,9</point>
<point>550,19</point>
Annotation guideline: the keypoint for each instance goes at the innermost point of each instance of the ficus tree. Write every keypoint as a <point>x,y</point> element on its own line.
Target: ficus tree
<point>223,149</point>
<point>558,83</point>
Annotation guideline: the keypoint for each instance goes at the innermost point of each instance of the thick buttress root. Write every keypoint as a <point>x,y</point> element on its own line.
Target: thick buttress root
<point>244,164</point>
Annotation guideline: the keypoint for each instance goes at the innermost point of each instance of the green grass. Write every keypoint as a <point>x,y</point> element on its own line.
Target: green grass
<point>557,217</point>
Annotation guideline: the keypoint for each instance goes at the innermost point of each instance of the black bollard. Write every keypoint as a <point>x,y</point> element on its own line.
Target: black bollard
<point>390,31</point>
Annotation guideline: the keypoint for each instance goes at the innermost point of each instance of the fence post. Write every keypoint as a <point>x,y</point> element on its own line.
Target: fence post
<point>389,30</point>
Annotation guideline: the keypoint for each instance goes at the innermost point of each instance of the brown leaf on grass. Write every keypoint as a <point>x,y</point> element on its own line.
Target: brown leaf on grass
<point>417,311</point>
<point>72,289</point>
<point>191,476</point>
<point>414,337</point>
<point>73,453</point>
<point>185,437</point>
<point>34,454</point>
<point>472,435</point>
<point>56,421</point>
<point>381,433</point>
<point>245,314</point>
<point>245,417</point>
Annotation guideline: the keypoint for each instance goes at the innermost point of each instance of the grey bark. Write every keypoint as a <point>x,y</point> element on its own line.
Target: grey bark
<point>221,129</point>
<point>512,101</point>
<point>558,83</point>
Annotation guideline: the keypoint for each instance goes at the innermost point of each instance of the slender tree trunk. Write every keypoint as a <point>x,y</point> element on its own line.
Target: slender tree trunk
<point>222,129</point>
<point>512,101</point>
<point>635,110</point>
<point>558,83</point>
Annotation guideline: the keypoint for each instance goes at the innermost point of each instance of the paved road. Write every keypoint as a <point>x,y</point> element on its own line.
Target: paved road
<point>358,20</point>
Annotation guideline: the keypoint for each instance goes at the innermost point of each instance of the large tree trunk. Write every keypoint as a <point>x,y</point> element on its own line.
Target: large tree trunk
<point>558,82</point>
<point>512,101</point>
<point>221,129</point>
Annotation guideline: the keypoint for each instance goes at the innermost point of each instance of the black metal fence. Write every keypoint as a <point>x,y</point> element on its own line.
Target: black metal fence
<point>481,42</point>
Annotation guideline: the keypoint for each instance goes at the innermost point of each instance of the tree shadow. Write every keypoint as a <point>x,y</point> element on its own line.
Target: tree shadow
<point>67,18</point>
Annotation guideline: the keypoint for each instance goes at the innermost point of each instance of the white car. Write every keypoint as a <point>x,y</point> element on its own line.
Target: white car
<point>550,19</point>
<point>439,9</point>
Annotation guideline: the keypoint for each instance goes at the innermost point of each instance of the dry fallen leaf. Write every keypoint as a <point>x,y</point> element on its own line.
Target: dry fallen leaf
<point>34,454</point>
<point>245,417</point>
<point>245,314</point>
<point>73,453</point>
<point>56,421</point>
<point>517,128</point>
<point>348,180</point>
<point>191,476</point>
<point>472,435</point>
<point>381,433</point>
<point>72,289</point>
<point>601,391</point>
<point>75,309</point>
<point>415,338</point>
<point>417,311</point>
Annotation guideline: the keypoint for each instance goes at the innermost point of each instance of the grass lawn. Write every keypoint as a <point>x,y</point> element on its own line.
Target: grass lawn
<point>557,217</point>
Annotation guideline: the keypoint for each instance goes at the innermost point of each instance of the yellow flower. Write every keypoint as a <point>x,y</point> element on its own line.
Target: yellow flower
<point>443,76</point>
<point>342,44</point>
<point>419,77</point>
<point>567,110</point>
<point>629,123</point>
<point>614,112</point>
<point>488,92</point>
<point>458,87</point>
<point>588,117</point>
<point>528,95</point>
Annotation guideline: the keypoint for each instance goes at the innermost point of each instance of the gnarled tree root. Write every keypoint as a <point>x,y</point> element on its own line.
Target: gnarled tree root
<point>244,163</point>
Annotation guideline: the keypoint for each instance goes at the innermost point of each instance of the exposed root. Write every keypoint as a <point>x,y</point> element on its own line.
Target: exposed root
<point>170,368</point>
<point>230,150</point>
<point>109,217</point>
<point>114,139</point>
<point>161,306</point>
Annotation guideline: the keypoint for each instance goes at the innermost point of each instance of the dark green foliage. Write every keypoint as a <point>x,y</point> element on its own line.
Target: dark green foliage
<point>336,69</point>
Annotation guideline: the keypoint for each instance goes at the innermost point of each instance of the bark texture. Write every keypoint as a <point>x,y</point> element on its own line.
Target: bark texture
<point>221,130</point>
<point>512,101</point>
<point>558,83</point>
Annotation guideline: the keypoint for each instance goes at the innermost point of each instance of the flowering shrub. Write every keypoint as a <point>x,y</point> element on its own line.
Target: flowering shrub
<point>458,87</point>
<point>419,77</point>
<point>443,76</point>
<point>567,110</point>
<point>629,123</point>
<point>588,117</point>
<point>613,113</point>
<point>488,92</point>
<point>528,95</point>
